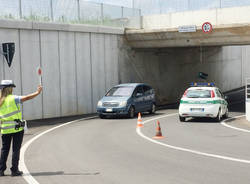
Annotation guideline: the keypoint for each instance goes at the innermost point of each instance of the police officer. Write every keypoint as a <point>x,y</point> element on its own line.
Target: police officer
<point>12,126</point>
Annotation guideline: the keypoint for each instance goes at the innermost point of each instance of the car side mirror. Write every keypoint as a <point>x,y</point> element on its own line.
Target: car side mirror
<point>226,97</point>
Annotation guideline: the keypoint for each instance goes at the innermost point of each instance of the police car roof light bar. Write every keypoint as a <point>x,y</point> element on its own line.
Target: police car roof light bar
<point>202,84</point>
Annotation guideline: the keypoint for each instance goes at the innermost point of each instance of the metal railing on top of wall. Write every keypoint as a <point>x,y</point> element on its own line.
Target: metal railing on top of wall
<point>69,11</point>
<point>248,89</point>
<point>162,6</point>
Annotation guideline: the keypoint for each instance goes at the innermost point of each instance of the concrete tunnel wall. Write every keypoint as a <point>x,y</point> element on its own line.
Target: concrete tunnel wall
<point>171,70</point>
<point>79,64</point>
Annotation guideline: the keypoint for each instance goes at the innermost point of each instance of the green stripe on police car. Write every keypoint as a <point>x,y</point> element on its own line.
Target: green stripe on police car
<point>203,102</point>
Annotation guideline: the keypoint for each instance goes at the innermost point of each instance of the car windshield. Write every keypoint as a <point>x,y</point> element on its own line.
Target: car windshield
<point>199,93</point>
<point>120,91</point>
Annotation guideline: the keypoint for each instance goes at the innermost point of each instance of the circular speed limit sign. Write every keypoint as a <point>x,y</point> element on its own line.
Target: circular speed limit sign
<point>207,27</point>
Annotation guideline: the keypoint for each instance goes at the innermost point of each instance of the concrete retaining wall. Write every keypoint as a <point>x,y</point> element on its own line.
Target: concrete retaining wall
<point>79,63</point>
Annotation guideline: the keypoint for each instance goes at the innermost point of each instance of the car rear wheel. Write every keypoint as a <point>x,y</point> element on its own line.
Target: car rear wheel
<point>182,119</point>
<point>218,117</point>
<point>153,109</point>
<point>226,114</point>
<point>131,112</point>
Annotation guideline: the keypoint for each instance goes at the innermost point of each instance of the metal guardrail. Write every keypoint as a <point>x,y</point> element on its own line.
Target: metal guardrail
<point>248,99</point>
<point>168,6</point>
<point>68,11</point>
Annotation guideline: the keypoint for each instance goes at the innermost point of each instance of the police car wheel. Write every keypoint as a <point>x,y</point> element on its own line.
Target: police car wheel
<point>131,112</point>
<point>218,117</point>
<point>226,114</point>
<point>182,119</point>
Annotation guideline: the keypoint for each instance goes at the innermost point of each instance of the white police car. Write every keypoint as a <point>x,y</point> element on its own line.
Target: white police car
<point>203,100</point>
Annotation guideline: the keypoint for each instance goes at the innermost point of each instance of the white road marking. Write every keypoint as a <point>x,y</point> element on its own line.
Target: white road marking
<point>229,126</point>
<point>138,130</point>
<point>27,176</point>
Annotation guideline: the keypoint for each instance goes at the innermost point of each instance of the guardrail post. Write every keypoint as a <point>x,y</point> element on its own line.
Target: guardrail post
<point>78,10</point>
<point>188,5</point>
<point>122,11</point>
<point>20,9</point>
<point>51,11</point>
<point>102,16</point>
<point>141,19</point>
<point>248,99</point>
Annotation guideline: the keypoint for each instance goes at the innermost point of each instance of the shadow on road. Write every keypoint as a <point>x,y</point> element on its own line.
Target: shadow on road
<point>125,117</point>
<point>202,120</point>
<point>62,173</point>
<point>55,121</point>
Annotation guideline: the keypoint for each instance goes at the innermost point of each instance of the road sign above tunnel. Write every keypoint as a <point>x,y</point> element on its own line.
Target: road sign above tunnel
<point>207,27</point>
<point>187,29</point>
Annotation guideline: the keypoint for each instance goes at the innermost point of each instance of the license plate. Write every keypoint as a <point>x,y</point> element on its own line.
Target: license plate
<point>109,110</point>
<point>197,109</point>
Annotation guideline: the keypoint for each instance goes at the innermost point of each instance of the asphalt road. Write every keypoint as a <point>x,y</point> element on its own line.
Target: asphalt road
<point>110,151</point>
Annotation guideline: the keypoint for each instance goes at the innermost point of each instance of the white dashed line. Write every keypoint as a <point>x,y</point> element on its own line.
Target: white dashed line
<point>138,130</point>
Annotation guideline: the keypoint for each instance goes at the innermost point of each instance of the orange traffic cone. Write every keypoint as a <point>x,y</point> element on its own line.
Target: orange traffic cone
<point>139,121</point>
<point>158,132</point>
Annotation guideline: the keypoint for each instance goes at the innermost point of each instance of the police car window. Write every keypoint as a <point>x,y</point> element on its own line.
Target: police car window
<point>120,91</point>
<point>199,93</point>
<point>147,90</point>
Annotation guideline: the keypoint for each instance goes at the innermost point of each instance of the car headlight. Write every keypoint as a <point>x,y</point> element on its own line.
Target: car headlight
<point>123,103</point>
<point>99,104</point>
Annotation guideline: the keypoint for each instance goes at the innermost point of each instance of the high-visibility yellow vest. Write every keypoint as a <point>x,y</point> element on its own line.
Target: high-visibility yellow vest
<point>10,111</point>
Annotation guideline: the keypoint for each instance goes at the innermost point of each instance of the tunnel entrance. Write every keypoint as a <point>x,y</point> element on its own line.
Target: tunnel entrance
<point>171,70</point>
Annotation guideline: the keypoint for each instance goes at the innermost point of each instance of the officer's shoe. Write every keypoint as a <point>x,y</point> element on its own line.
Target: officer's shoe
<point>17,173</point>
<point>2,173</point>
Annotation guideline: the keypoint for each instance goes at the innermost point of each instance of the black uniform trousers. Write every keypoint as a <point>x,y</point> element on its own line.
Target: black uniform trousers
<point>16,146</point>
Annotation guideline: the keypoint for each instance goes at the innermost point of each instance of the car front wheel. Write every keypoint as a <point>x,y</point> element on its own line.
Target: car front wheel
<point>131,112</point>
<point>182,119</point>
<point>102,116</point>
